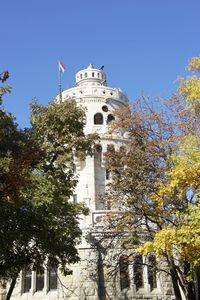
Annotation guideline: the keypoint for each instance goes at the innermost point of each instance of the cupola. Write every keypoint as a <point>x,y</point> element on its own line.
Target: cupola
<point>91,75</point>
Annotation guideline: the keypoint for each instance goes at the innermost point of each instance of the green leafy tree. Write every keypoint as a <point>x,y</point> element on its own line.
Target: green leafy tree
<point>38,223</point>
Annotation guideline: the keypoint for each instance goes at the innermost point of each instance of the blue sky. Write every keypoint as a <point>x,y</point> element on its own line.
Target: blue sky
<point>143,44</point>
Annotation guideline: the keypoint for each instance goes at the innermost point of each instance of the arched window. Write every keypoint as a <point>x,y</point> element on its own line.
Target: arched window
<point>98,148</point>
<point>138,272</point>
<point>110,118</point>
<point>124,273</point>
<point>98,153</point>
<point>152,272</point>
<point>98,119</point>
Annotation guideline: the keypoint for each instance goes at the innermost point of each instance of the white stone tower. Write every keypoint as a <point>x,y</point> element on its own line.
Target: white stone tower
<point>91,92</point>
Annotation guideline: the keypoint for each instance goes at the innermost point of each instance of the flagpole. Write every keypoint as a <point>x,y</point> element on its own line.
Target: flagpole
<point>60,86</point>
<point>59,82</point>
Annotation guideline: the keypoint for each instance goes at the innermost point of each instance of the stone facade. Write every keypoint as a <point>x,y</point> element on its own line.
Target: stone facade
<point>90,279</point>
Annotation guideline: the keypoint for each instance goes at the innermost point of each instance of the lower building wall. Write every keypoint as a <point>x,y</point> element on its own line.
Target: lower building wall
<point>91,280</point>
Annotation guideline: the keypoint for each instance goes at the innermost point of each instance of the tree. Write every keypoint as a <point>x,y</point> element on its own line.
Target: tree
<point>38,223</point>
<point>155,182</point>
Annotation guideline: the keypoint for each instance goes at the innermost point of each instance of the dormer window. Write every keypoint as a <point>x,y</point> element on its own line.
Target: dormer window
<point>86,75</point>
<point>98,119</point>
<point>92,74</point>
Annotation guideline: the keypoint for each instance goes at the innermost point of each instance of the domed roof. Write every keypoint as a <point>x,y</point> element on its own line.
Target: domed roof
<point>91,74</point>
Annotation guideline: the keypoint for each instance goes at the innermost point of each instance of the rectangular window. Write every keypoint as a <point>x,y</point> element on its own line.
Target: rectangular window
<point>138,272</point>
<point>53,282</point>
<point>152,272</point>
<point>124,273</point>
<point>75,198</point>
<point>27,274</point>
<point>107,174</point>
<point>39,280</point>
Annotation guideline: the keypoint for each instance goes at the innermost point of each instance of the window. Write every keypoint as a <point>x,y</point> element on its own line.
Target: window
<point>92,74</point>
<point>138,272</point>
<point>98,148</point>
<point>81,76</point>
<point>110,118</point>
<point>85,75</point>
<point>105,108</point>
<point>27,274</point>
<point>52,275</point>
<point>39,280</point>
<point>98,119</point>
<point>107,174</point>
<point>152,272</point>
<point>124,274</point>
<point>75,198</point>
<point>98,75</point>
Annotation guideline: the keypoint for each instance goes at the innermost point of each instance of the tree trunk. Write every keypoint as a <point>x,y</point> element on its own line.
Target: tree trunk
<point>175,285</point>
<point>11,288</point>
<point>191,291</point>
<point>197,282</point>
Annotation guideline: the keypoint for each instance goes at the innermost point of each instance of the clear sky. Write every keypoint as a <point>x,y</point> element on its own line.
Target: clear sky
<point>143,44</point>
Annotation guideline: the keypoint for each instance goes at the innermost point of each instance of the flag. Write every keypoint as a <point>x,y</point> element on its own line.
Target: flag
<point>61,67</point>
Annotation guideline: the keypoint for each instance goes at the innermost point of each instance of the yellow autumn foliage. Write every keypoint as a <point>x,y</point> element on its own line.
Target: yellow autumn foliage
<point>194,64</point>
<point>183,240</point>
<point>183,175</point>
<point>190,87</point>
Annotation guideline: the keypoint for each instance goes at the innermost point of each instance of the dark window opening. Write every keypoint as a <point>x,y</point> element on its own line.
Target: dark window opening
<point>108,205</point>
<point>75,198</point>
<point>27,274</point>
<point>138,272</point>
<point>98,148</point>
<point>81,76</point>
<point>92,74</point>
<point>124,273</point>
<point>98,119</point>
<point>40,280</point>
<point>85,75</point>
<point>110,118</point>
<point>152,272</point>
<point>105,108</point>
<point>53,282</point>
<point>107,174</point>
